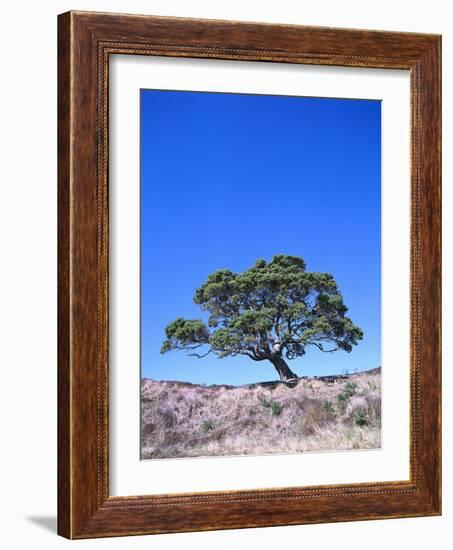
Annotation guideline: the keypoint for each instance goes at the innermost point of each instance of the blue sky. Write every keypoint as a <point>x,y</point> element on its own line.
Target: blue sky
<point>229,178</point>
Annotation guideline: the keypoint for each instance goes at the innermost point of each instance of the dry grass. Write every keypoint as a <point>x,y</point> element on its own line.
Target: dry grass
<point>186,420</point>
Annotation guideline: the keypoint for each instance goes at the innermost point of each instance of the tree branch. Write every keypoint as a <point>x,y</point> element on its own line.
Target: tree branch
<point>200,356</point>
<point>321,348</point>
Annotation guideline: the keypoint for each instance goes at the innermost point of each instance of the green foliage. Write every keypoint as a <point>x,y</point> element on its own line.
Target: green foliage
<point>207,425</point>
<point>275,407</point>
<point>184,333</point>
<point>264,402</point>
<point>361,417</point>
<point>349,389</point>
<point>342,402</point>
<point>329,407</point>
<point>273,310</point>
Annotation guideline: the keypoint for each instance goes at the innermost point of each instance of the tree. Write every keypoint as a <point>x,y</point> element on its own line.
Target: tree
<point>271,312</point>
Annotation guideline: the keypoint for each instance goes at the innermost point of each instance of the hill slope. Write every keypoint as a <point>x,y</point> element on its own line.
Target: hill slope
<point>333,413</point>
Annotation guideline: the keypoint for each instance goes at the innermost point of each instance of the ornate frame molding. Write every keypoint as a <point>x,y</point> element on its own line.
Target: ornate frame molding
<point>86,40</point>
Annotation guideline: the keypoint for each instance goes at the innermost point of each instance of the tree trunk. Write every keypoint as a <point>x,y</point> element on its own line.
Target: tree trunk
<point>282,368</point>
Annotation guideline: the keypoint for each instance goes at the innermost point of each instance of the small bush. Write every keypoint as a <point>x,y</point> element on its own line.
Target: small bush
<point>345,395</point>
<point>265,403</point>
<point>329,408</point>
<point>275,407</point>
<point>342,402</point>
<point>350,389</point>
<point>207,425</point>
<point>360,417</point>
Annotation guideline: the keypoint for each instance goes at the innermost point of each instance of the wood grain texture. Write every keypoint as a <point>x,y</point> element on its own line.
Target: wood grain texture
<point>86,40</point>
<point>64,367</point>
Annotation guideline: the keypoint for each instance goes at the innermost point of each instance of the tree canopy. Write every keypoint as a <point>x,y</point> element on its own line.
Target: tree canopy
<point>272,311</point>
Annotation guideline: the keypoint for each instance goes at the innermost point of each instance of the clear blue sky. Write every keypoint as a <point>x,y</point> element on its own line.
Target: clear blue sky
<point>229,178</point>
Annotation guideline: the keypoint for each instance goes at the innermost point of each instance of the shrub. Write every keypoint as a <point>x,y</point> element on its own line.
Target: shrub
<point>350,389</point>
<point>264,402</point>
<point>360,417</point>
<point>342,399</point>
<point>275,407</point>
<point>329,408</point>
<point>207,425</point>
<point>345,395</point>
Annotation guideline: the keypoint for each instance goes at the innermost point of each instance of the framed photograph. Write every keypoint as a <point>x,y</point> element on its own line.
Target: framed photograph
<point>249,275</point>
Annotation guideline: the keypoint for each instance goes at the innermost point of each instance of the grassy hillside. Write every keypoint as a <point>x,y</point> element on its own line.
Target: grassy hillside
<point>311,414</point>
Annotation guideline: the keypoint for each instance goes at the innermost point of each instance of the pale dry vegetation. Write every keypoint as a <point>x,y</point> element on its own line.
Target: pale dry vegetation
<point>185,420</point>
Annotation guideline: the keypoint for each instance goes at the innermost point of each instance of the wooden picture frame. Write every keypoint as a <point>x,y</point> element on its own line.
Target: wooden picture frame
<point>85,42</point>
